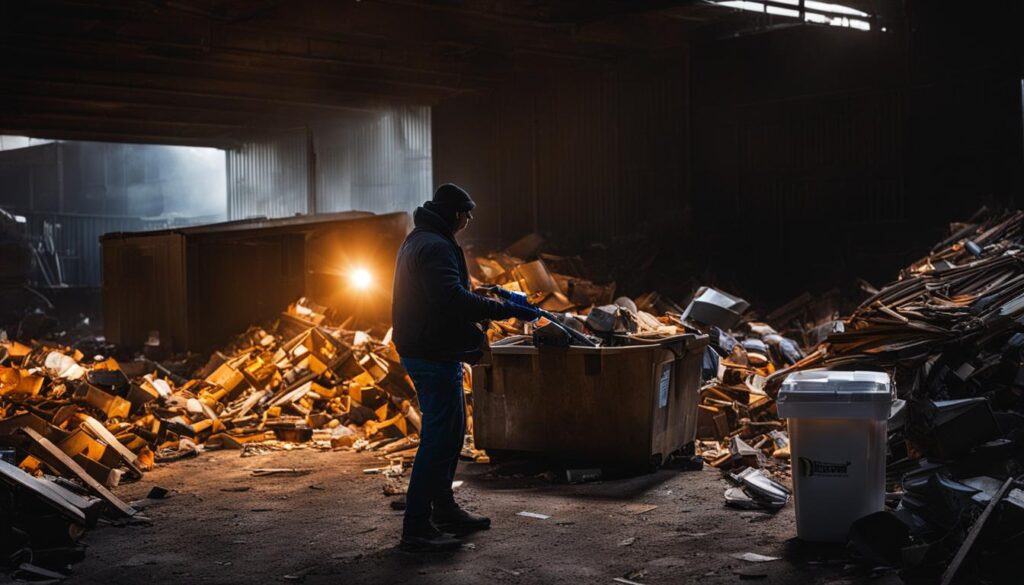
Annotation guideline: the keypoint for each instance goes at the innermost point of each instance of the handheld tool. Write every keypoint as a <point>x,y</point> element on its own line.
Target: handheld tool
<point>520,299</point>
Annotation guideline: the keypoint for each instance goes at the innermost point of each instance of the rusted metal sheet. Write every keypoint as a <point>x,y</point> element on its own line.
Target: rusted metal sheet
<point>143,287</point>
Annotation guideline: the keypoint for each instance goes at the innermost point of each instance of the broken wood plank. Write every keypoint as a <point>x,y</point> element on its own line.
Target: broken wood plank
<point>290,471</point>
<point>965,549</point>
<point>56,458</point>
<point>15,476</point>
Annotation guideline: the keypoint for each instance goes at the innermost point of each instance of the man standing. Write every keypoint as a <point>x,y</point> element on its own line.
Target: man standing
<point>435,317</point>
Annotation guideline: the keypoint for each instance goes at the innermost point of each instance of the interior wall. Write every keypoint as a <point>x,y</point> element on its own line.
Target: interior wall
<point>581,154</point>
<point>382,164</point>
<point>823,155</point>
<point>113,180</point>
<point>378,161</point>
<point>71,193</point>
<point>268,176</point>
<point>798,157</point>
<point>818,154</point>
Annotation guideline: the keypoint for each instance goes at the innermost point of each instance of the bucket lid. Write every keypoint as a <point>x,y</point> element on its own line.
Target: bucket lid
<point>836,387</point>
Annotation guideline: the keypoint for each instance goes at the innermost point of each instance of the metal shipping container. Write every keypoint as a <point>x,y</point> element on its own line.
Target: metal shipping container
<point>199,286</point>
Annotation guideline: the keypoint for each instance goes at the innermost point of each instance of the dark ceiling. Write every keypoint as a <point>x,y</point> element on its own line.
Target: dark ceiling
<point>210,72</point>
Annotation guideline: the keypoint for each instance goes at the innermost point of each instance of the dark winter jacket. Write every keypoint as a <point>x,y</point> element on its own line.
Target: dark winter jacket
<point>434,313</point>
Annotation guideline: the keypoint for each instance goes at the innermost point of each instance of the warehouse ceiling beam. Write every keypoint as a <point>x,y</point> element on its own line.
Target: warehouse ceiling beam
<point>225,80</point>
<point>43,104</point>
<point>220,69</point>
<point>365,62</point>
<point>121,93</point>
<point>121,136</point>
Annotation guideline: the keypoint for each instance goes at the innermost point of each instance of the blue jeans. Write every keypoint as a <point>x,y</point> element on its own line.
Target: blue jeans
<point>439,390</point>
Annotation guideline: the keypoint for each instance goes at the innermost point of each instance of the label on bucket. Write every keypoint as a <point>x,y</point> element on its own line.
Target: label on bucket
<point>664,384</point>
<point>838,474</point>
<point>813,467</point>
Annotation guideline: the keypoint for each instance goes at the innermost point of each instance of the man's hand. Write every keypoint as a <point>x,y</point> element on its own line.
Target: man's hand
<point>516,298</point>
<point>525,312</point>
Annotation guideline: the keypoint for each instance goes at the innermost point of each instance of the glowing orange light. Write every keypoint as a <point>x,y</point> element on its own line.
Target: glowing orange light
<point>361,278</point>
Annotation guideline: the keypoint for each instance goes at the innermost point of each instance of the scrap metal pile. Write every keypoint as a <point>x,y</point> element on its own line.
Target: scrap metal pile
<point>72,426</point>
<point>738,429</point>
<point>951,333</point>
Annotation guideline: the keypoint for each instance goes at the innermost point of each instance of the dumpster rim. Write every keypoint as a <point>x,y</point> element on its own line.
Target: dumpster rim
<point>689,340</point>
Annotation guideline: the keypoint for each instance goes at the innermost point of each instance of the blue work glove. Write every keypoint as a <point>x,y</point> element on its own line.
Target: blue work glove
<point>523,312</point>
<point>516,298</point>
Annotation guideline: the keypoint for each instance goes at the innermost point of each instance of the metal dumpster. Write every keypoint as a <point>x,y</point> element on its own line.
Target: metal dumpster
<point>629,406</point>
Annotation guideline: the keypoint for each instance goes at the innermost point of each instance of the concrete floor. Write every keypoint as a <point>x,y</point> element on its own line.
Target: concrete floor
<point>335,525</point>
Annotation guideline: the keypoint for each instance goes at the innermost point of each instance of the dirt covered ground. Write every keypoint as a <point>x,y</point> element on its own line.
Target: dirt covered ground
<point>335,525</point>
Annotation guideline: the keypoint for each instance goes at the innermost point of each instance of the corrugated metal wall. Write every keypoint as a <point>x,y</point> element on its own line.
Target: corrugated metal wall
<point>382,164</point>
<point>116,180</point>
<point>582,155</point>
<point>379,162</point>
<point>577,147</point>
<point>268,177</point>
<point>31,179</point>
<point>87,189</point>
<point>77,240</point>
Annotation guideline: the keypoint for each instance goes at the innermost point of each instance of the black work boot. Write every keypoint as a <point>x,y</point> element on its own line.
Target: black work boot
<point>426,538</point>
<point>454,520</point>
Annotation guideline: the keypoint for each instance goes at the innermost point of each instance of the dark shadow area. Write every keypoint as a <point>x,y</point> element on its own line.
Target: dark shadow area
<point>549,474</point>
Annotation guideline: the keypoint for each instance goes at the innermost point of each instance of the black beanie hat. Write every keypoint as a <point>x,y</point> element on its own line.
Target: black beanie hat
<point>453,197</point>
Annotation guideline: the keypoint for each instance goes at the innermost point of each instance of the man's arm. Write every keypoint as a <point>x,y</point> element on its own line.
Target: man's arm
<point>442,282</point>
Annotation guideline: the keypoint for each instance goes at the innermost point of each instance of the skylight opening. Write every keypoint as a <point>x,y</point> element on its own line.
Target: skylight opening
<point>824,13</point>
<point>743,5</point>
<point>834,8</point>
<point>779,11</point>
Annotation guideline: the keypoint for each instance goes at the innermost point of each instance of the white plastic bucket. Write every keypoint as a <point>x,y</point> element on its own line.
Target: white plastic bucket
<point>837,431</point>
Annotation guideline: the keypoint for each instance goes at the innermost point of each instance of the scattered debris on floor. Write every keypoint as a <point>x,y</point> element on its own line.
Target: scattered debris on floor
<point>306,381</point>
<point>950,332</point>
<point>752,557</point>
<point>75,426</point>
<point>756,490</point>
<point>536,515</point>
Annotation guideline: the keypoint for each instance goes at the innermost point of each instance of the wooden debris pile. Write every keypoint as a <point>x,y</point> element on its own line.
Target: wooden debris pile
<point>561,285</point>
<point>73,426</point>
<point>738,429</point>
